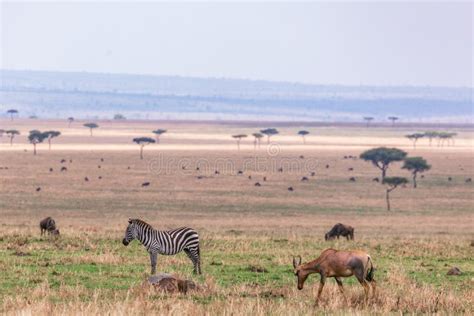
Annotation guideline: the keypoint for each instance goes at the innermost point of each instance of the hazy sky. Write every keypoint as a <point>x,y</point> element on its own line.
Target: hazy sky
<point>344,43</point>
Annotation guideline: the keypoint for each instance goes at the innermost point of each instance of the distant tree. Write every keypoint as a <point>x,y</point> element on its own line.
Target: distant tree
<point>368,119</point>
<point>256,141</point>
<point>445,137</point>
<point>143,141</point>
<point>12,112</point>
<point>392,183</point>
<point>36,137</point>
<point>33,117</point>
<point>239,138</point>
<point>393,119</point>
<point>69,121</point>
<point>416,165</point>
<point>91,126</point>
<point>430,135</point>
<point>269,132</point>
<point>414,137</point>
<point>303,134</point>
<point>2,131</point>
<point>50,135</point>
<point>382,157</point>
<point>158,133</point>
<point>119,117</point>
<point>12,133</point>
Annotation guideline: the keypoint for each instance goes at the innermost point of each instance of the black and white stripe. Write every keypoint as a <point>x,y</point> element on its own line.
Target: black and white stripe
<point>164,242</point>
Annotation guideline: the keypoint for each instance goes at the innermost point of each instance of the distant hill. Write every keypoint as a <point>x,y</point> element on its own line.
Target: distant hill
<point>90,95</point>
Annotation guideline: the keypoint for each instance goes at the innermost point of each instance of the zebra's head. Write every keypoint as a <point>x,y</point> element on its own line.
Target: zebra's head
<point>130,232</point>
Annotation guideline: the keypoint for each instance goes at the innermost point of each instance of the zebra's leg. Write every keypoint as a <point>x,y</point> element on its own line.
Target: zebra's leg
<point>193,255</point>
<point>153,261</point>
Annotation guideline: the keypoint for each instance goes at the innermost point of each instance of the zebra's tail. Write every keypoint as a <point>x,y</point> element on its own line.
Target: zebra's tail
<point>370,270</point>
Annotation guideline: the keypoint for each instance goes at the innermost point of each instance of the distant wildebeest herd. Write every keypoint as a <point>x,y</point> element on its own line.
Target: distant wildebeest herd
<point>331,263</point>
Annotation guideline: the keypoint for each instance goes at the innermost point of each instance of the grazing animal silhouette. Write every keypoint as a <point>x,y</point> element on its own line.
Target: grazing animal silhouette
<point>327,166</point>
<point>216,172</point>
<point>257,184</point>
<point>48,225</point>
<point>63,160</point>
<point>290,189</point>
<point>264,178</point>
<point>313,174</point>
<point>351,169</point>
<point>63,169</point>
<point>38,189</point>
<point>340,230</point>
<point>240,172</point>
<point>280,169</point>
<point>301,157</point>
<point>375,179</point>
<point>145,184</point>
<point>450,179</point>
<point>338,264</point>
<point>86,179</point>
<point>51,170</point>
<point>304,179</point>
<point>164,242</point>
<point>468,180</point>
<point>250,177</point>
<point>352,179</point>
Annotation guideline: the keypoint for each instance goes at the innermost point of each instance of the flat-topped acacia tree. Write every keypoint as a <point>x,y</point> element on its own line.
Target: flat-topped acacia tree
<point>269,132</point>
<point>393,119</point>
<point>392,183</point>
<point>2,131</point>
<point>50,135</point>
<point>158,133</point>
<point>303,134</point>
<point>69,121</point>
<point>239,138</point>
<point>430,135</point>
<point>416,165</point>
<point>12,112</point>
<point>415,137</point>
<point>445,136</point>
<point>36,137</point>
<point>382,157</point>
<point>143,141</point>
<point>368,119</point>
<point>11,133</point>
<point>257,139</point>
<point>91,126</point>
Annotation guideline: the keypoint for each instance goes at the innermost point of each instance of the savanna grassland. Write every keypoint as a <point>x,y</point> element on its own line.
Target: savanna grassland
<point>248,233</point>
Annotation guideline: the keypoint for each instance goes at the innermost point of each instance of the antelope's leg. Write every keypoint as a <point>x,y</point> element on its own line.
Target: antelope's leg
<point>366,290</point>
<point>153,260</point>
<point>320,289</point>
<point>374,287</point>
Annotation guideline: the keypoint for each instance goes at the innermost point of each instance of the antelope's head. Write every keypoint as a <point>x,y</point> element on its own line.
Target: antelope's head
<point>300,273</point>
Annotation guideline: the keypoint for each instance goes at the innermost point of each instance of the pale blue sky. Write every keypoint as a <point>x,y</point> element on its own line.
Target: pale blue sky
<point>342,43</point>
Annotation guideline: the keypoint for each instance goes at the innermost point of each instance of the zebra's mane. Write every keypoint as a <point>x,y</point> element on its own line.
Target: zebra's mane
<point>141,223</point>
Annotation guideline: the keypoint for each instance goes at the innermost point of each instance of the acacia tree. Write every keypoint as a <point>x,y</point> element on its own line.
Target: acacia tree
<point>368,119</point>
<point>12,112</point>
<point>392,183</point>
<point>143,141</point>
<point>1,132</point>
<point>258,138</point>
<point>393,119</point>
<point>69,121</point>
<point>445,137</point>
<point>269,132</point>
<point>382,157</point>
<point>303,134</point>
<point>158,133</point>
<point>91,126</point>
<point>239,138</point>
<point>416,165</point>
<point>12,133</point>
<point>36,137</point>
<point>50,135</point>
<point>430,135</point>
<point>414,137</point>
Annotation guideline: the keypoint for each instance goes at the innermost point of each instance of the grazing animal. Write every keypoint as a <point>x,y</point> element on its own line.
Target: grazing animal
<point>301,157</point>
<point>102,159</point>
<point>240,172</point>
<point>290,189</point>
<point>200,177</point>
<point>250,177</point>
<point>145,184</point>
<point>50,169</point>
<point>327,166</point>
<point>449,178</point>
<point>351,169</point>
<point>468,180</point>
<point>257,184</point>
<point>280,169</point>
<point>375,179</point>
<point>38,189</point>
<point>86,179</point>
<point>197,169</point>
<point>100,178</point>
<point>264,178</point>
<point>63,169</point>
<point>352,179</point>
<point>216,172</point>
<point>99,166</point>
<point>48,225</point>
<point>164,242</point>
<point>338,264</point>
<point>63,160</point>
<point>304,179</point>
<point>340,230</point>
<point>313,174</point>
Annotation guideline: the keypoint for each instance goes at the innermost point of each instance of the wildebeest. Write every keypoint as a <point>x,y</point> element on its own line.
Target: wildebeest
<point>468,180</point>
<point>352,179</point>
<point>257,184</point>
<point>340,230</point>
<point>290,189</point>
<point>145,184</point>
<point>63,169</point>
<point>304,179</point>
<point>48,225</point>
<point>338,264</point>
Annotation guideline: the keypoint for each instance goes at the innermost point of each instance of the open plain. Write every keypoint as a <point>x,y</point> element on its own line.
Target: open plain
<point>248,233</point>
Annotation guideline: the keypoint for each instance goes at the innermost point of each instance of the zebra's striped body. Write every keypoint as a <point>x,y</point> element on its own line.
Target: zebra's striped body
<point>164,242</point>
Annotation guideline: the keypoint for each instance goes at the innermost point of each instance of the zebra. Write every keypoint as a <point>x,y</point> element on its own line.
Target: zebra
<point>164,242</point>
<point>48,225</point>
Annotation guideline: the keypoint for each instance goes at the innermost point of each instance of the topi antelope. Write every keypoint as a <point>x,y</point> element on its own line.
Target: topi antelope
<point>338,264</point>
